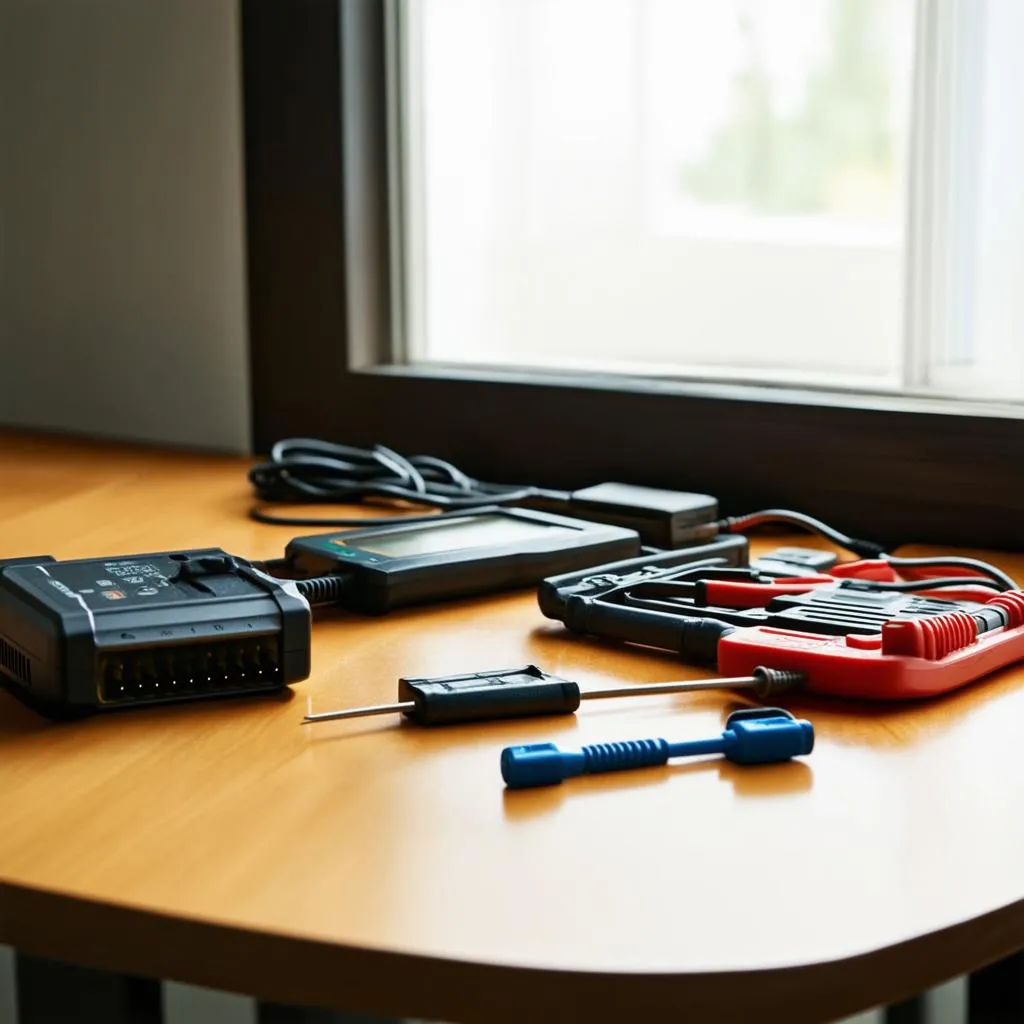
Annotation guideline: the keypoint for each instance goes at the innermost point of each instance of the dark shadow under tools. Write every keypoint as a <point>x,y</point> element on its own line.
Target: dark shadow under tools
<point>760,782</point>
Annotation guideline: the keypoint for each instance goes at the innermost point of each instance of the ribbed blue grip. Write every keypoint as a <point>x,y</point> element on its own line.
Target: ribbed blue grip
<point>543,764</point>
<point>613,757</point>
<point>752,736</point>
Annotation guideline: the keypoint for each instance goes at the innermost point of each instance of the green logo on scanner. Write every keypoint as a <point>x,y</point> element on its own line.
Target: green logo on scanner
<point>339,550</point>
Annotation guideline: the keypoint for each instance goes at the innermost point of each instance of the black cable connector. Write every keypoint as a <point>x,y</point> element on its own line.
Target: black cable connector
<point>321,590</point>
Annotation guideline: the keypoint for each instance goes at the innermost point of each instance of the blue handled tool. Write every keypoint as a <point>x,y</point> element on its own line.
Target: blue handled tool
<point>751,736</point>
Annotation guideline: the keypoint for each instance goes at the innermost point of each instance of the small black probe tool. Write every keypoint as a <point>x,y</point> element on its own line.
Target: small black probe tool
<point>527,691</point>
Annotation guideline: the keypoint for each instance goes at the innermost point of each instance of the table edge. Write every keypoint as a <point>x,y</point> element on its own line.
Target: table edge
<point>292,969</point>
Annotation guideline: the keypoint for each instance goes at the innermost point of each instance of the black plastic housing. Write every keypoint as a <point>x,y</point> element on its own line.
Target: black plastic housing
<point>664,519</point>
<point>478,696</point>
<point>380,578</point>
<point>104,633</point>
<point>729,550</point>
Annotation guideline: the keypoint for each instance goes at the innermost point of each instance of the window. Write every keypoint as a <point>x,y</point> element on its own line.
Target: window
<point>757,190</point>
<point>380,308</point>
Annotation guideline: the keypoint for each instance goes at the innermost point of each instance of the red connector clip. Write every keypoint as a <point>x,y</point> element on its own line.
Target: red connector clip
<point>734,594</point>
<point>909,658</point>
<point>731,594</point>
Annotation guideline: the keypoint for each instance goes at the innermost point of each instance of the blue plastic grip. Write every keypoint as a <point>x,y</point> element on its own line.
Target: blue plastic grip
<point>544,764</point>
<point>767,740</point>
<point>539,764</point>
<point>617,757</point>
<point>764,738</point>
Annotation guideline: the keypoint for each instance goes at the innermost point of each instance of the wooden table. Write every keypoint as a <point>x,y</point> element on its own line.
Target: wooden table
<point>380,867</point>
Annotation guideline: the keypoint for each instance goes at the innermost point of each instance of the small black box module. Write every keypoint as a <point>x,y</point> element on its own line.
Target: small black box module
<point>664,519</point>
<point>97,634</point>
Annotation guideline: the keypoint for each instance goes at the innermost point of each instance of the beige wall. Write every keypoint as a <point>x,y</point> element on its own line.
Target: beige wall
<point>122,292</point>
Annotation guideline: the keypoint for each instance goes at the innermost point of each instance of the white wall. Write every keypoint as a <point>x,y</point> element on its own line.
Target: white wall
<point>122,285</point>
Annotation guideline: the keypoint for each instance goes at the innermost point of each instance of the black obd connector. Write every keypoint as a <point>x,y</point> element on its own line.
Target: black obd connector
<point>105,633</point>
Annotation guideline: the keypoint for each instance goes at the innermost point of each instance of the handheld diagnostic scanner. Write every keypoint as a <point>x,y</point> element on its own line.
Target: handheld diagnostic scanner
<point>487,550</point>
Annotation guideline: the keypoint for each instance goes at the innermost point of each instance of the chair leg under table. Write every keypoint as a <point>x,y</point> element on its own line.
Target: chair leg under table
<point>945,1004</point>
<point>50,990</point>
<point>867,1017</point>
<point>190,1004</point>
<point>8,987</point>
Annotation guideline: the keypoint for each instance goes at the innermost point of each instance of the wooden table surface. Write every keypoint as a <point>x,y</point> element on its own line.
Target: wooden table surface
<point>376,866</point>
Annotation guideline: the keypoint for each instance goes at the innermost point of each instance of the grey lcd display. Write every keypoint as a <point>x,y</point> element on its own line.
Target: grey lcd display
<point>470,532</point>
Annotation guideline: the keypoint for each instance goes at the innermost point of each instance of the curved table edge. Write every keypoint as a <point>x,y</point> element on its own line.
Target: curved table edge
<point>290,969</point>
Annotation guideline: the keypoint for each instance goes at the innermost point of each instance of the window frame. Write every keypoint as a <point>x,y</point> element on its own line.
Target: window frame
<point>322,316</point>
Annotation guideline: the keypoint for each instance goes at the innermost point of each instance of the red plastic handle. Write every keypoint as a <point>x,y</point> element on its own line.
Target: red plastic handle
<point>731,594</point>
<point>876,569</point>
<point>862,665</point>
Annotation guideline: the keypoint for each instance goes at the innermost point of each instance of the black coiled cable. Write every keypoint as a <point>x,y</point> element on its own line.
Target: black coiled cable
<point>322,589</point>
<point>310,471</point>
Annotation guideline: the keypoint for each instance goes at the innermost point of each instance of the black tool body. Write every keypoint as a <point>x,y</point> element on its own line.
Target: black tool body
<point>667,608</point>
<point>481,552</point>
<point>478,696</point>
<point>96,634</point>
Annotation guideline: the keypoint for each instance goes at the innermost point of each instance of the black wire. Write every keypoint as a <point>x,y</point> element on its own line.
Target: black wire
<point>665,593</point>
<point>309,471</point>
<point>262,516</point>
<point>939,583</point>
<point>949,561</point>
<point>272,566</point>
<point>321,590</point>
<point>866,548</point>
<point>861,548</point>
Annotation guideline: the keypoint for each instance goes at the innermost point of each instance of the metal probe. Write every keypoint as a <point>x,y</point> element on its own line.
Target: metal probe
<point>373,709</point>
<point>765,682</point>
